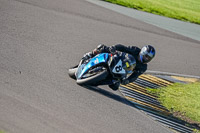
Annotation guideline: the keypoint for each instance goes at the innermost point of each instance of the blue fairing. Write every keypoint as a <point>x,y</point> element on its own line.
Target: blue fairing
<point>101,58</point>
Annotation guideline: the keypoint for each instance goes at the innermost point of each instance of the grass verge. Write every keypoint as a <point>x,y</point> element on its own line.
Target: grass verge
<point>186,10</point>
<point>183,100</point>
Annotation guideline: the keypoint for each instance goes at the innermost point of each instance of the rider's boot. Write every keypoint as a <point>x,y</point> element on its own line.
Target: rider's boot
<point>114,86</point>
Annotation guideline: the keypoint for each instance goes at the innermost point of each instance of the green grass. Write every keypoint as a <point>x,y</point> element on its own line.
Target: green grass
<point>186,10</point>
<point>184,98</point>
<point>2,131</point>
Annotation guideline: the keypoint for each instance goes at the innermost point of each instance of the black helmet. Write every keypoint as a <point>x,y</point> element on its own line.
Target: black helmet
<point>146,54</point>
<point>129,63</point>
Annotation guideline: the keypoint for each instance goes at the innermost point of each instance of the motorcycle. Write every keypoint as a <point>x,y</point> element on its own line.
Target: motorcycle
<point>103,69</point>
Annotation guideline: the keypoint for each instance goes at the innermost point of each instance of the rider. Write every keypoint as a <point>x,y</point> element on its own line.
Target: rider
<point>142,57</point>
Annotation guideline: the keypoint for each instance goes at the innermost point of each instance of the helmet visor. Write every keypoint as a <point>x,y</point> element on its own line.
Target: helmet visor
<point>145,58</point>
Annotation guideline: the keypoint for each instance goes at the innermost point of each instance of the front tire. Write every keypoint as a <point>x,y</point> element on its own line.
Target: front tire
<point>93,79</point>
<point>72,71</point>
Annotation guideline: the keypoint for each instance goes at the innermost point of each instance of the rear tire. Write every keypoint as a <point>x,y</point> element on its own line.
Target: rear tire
<point>72,71</point>
<point>93,79</point>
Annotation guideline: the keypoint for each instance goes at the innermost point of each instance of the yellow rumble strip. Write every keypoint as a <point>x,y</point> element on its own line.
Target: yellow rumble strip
<point>136,92</point>
<point>185,79</point>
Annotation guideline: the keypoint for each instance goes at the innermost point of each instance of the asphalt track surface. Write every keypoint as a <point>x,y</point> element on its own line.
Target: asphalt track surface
<point>39,40</point>
<point>183,28</point>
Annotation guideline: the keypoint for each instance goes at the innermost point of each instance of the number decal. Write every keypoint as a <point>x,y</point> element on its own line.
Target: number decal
<point>96,61</point>
<point>118,68</point>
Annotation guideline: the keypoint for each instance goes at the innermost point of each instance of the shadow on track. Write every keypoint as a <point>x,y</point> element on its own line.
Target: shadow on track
<point>110,95</point>
<point>167,120</point>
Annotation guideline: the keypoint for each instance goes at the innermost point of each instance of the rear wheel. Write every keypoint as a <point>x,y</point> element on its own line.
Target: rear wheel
<point>72,71</point>
<point>94,79</point>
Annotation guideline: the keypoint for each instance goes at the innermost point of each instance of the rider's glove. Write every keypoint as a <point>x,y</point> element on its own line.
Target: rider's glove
<point>87,56</point>
<point>112,49</point>
<point>125,81</point>
<point>99,49</point>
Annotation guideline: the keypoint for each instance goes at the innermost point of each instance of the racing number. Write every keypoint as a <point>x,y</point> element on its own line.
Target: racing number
<point>118,68</point>
<point>96,61</point>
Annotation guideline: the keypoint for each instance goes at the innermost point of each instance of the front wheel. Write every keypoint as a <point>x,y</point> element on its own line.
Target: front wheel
<point>93,80</point>
<point>72,71</point>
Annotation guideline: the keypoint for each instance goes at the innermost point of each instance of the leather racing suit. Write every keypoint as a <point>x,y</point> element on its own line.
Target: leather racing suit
<point>133,50</point>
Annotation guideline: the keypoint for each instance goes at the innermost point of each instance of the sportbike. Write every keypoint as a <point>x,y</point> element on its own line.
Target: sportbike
<point>103,69</point>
